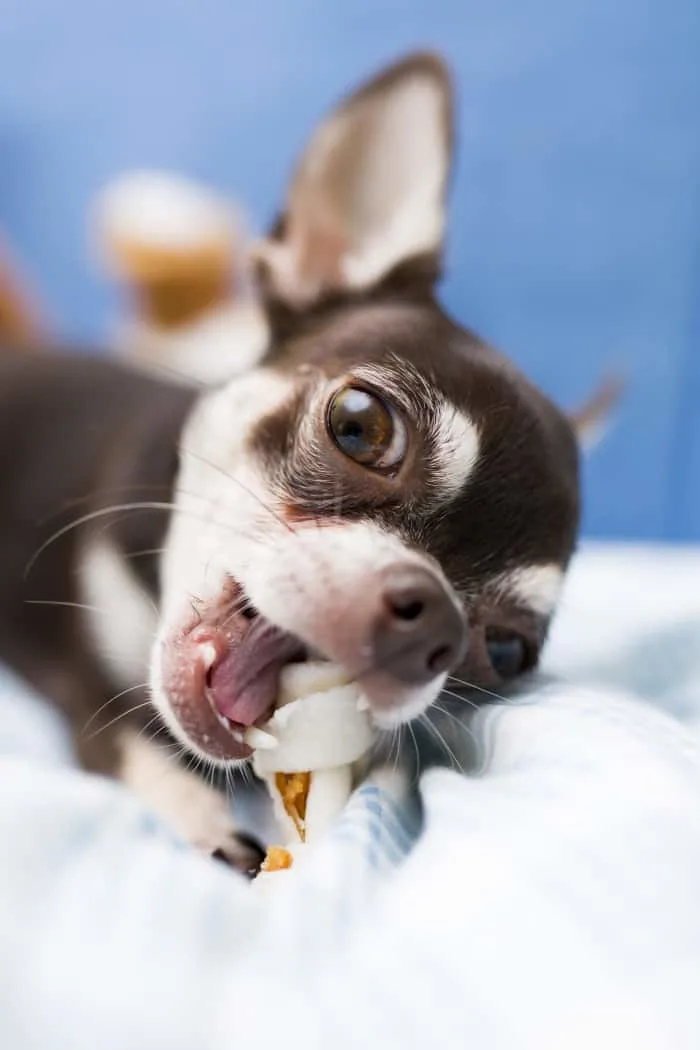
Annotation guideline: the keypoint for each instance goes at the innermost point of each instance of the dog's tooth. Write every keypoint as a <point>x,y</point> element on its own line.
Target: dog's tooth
<point>208,655</point>
<point>298,681</point>
<point>237,735</point>
<point>259,740</point>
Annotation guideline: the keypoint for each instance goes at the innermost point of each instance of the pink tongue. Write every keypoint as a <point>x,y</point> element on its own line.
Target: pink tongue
<point>244,685</point>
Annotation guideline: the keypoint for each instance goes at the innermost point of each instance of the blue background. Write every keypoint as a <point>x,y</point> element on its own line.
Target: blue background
<point>575,222</point>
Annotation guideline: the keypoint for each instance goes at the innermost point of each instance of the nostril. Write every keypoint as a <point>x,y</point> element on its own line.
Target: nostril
<point>420,628</point>
<point>406,608</point>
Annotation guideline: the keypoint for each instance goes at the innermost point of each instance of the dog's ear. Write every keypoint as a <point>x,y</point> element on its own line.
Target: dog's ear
<point>369,193</point>
<point>591,420</point>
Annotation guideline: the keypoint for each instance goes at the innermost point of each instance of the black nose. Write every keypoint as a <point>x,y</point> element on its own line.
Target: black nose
<point>421,631</point>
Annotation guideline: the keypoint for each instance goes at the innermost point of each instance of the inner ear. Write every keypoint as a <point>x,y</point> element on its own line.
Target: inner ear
<point>369,192</point>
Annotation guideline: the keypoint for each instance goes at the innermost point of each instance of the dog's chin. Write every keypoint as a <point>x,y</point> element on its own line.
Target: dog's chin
<point>391,716</point>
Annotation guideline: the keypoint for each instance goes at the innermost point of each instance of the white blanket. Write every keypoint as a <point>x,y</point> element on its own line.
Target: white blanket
<point>553,901</point>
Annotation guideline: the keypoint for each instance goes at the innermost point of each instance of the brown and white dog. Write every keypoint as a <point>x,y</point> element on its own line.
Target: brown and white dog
<point>384,489</point>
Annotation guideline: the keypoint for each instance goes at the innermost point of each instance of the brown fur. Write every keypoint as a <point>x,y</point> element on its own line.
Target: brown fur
<point>77,435</point>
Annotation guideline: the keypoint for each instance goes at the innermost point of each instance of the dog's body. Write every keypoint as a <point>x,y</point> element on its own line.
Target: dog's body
<point>79,434</point>
<point>384,489</point>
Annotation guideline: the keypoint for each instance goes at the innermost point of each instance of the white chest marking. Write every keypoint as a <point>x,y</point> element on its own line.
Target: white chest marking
<point>121,619</point>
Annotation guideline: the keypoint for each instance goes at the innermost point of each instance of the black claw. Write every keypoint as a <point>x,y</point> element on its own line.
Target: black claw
<point>244,854</point>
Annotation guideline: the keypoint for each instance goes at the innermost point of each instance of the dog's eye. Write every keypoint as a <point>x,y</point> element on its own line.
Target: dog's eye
<point>508,652</point>
<point>366,429</point>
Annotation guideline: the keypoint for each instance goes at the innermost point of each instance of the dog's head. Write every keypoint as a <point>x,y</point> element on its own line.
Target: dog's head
<point>385,490</point>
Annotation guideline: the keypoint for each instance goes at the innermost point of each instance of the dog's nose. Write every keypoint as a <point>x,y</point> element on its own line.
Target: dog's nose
<point>421,630</point>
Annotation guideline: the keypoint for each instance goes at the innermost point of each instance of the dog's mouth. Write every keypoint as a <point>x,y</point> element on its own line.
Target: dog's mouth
<point>221,676</point>
<point>243,682</point>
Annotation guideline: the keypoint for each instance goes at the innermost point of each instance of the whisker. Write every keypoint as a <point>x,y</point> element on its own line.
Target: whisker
<point>145,553</point>
<point>459,696</point>
<point>183,378</point>
<point>112,699</point>
<point>236,606</point>
<point>67,605</point>
<point>236,481</point>
<point>424,719</point>
<point>116,508</point>
<point>478,688</point>
<point>460,722</point>
<point>397,742</point>
<point>118,718</point>
<point>167,747</point>
<point>80,501</point>
<point>149,723</point>
<point>416,773</point>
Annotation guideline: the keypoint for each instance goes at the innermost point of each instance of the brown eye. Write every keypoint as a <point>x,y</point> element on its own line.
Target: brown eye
<point>366,429</point>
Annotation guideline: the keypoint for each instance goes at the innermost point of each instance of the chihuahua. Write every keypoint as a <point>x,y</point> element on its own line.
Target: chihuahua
<point>383,490</point>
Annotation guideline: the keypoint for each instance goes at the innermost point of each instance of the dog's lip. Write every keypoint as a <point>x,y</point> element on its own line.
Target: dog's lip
<point>235,744</point>
<point>220,674</point>
<point>241,659</point>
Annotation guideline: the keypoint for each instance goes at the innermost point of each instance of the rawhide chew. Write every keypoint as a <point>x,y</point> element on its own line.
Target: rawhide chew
<point>306,751</point>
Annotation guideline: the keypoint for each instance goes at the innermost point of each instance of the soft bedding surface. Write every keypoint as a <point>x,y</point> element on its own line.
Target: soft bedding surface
<point>551,901</point>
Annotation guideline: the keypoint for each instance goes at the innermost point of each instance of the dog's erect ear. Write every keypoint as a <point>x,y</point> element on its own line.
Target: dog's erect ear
<point>369,193</point>
<point>590,421</point>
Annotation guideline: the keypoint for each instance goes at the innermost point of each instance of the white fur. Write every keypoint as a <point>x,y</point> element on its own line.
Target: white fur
<point>457,450</point>
<point>121,619</point>
<point>224,508</point>
<point>413,702</point>
<point>537,586</point>
<point>306,567</point>
<point>193,809</point>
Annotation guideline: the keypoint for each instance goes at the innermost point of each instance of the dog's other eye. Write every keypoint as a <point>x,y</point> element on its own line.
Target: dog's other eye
<point>366,429</point>
<point>508,652</point>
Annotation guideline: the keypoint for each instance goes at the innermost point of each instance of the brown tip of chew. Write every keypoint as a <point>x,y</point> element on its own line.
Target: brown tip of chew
<point>294,790</point>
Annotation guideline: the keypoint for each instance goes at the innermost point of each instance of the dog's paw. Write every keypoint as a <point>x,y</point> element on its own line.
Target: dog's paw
<point>192,808</point>
<point>241,852</point>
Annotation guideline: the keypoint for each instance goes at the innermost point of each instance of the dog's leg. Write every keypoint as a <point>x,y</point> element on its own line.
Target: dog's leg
<point>109,740</point>
<point>198,812</point>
